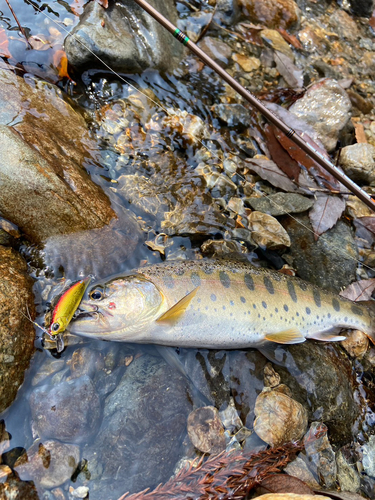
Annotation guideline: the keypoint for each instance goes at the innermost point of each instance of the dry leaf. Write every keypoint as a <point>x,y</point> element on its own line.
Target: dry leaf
<point>372,20</point>
<point>359,132</point>
<point>359,290</point>
<point>103,3</point>
<point>288,70</point>
<point>325,213</point>
<point>39,42</point>
<point>267,232</point>
<point>60,61</point>
<point>365,228</point>
<point>279,155</point>
<point>282,483</point>
<point>4,44</point>
<point>269,171</point>
<point>290,38</point>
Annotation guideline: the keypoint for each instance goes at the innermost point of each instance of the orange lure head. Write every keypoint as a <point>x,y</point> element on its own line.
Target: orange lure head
<point>67,306</point>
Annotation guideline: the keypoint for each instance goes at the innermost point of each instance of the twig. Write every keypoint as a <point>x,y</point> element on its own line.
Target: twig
<point>19,25</point>
<point>205,29</point>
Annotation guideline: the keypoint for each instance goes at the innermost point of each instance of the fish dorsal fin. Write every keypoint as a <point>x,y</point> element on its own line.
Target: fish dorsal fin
<point>327,337</point>
<point>291,336</point>
<point>175,312</point>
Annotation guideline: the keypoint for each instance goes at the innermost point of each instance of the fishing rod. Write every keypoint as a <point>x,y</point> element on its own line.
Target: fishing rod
<point>289,132</point>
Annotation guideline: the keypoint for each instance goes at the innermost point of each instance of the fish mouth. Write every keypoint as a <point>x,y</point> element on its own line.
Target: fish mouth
<point>89,319</point>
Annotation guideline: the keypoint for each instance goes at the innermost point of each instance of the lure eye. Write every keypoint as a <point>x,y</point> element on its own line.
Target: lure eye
<point>55,327</point>
<point>96,294</point>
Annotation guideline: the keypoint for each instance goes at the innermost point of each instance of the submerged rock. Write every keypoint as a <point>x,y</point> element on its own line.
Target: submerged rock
<point>48,145</point>
<point>326,107</point>
<point>17,333</point>
<point>124,36</point>
<point>205,430</point>
<point>273,14</point>
<point>281,203</point>
<point>321,455</point>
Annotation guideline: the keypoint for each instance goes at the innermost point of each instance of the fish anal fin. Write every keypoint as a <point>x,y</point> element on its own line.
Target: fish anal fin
<point>327,337</point>
<point>177,311</point>
<point>291,336</point>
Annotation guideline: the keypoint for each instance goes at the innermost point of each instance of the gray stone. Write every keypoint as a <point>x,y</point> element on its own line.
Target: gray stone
<point>124,36</point>
<point>321,456</point>
<point>47,145</point>
<point>320,374</point>
<point>368,461</point>
<point>48,463</point>
<point>69,411</point>
<point>281,203</point>
<point>143,423</point>
<point>232,114</point>
<point>326,107</point>
<point>226,12</point>
<point>317,261</point>
<point>216,49</point>
<point>362,8</point>
<point>347,473</point>
<point>17,333</point>
<point>358,162</point>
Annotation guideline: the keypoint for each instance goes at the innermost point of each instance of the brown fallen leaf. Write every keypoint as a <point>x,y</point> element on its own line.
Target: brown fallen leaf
<point>359,132</point>
<point>288,70</point>
<point>325,213</point>
<point>60,61</point>
<point>290,38</point>
<point>365,228</point>
<point>269,171</point>
<point>359,290</point>
<point>282,483</point>
<point>4,44</point>
<point>372,20</point>
<point>278,153</point>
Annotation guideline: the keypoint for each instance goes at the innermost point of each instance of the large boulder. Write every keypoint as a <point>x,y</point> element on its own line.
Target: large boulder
<point>16,331</point>
<point>124,36</point>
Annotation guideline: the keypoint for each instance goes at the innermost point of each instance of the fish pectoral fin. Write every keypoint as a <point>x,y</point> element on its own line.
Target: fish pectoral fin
<point>291,336</point>
<point>175,312</point>
<point>327,337</point>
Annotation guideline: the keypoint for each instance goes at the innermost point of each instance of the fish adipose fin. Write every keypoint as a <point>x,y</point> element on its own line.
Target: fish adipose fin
<point>291,336</point>
<point>175,312</point>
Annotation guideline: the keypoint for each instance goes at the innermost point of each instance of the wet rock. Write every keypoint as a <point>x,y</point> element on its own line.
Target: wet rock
<point>124,37</point>
<point>13,489</point>
<point>279,419</point>
<point>80,492</point>
<point>358,162</point>
<point>227,11</point>
<point>363,105</point>
<point>347,473</point>
<point>274,40</point>
<point>274,14</point>
<point>85,361</point>
<point>368,460</point>
<point>267,232</point>
<point>216,49</point>
<point>281,203</point>
<point>49,367</point>
<point>69,411</point>
<point>344,25</point>
<point>16,331</point>
<point>326,107</point>
<point>316,261</point>
<point>271,378</point>
<point>356,208</point>
<point>321,456</point>
<point>322,375</point>
<point>48,463</point>
<point>205,430</point>
<point>356,343</point>
<point>143,422</point>
<point>232,114</point>
<point>247,63</point>
<point>299,469</point>
<point>49,145</point>
<point>217,248</point>
<point>362,8</point>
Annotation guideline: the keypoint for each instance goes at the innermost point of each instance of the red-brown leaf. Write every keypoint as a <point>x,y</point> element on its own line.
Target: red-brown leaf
<point>269,171</point>
<point>282,483</point>
<point>359,290</point>
<point>4,44</point>
<point>372,20</point>
<point>103,3</point>
<point>278,153</point>
<point>290,38</point>
<point>325,213</point>
<point>60,61</point>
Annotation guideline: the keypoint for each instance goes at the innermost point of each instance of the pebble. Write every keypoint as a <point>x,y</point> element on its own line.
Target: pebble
<point>344,25</point>
<point>271,13</point>
<point>48,463</point>
<point>232,114</point>
<point>206,430</point>
<point>49,367</point>
<point>216,49</point>
<point>326,107</point>
<point>271,377</point>
<point>347,473</point>
<point>267,232</point>
<point>356,343</point>
<point>85,361</point>
<point>358,162</point>
<point>356,208</point>
<point>299,469</point>
<point>279,419</point>
<point>274,40</point>
<point>321,456</point>
<point>80,492</point>
<point>247,63</point>
<point>368,460</point>
<point>217,248</point>
<point>281,203</point>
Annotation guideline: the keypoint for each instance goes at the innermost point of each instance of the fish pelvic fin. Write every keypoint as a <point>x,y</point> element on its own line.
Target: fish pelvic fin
<point>291,336</point>
<point>370,306</point>
<point>173,314</point>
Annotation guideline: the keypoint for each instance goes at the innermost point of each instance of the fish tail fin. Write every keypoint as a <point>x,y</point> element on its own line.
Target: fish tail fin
<point>370,306</point>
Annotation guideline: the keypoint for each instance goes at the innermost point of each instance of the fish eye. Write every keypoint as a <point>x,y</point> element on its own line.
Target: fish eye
<point>96,294</point>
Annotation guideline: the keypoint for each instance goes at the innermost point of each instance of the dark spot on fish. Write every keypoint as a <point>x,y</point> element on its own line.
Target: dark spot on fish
<point>292,318</point>
<point>346,319</point>
<point>276,310</point>
<point>264,305</point>
<point>264,319</point>
<point>308,310</point>
<point>208,269</point>
<point>297,313</point>
<point>243,300</point>
<point>328,315</point>
<point>249,282</point>
<point>286,308</point>
<point>168,281</point>
<point>179,271</point>
<point>268,284</point>
<point>292,291</point>
<point>213,297</point>
<point>255,306</point>
<point>195,279</point>
<point>224,308</point>
<point>302,285</point>
<point>231,314</point>
<point>258,315</point>
<point>357,310</point>
<point>231,303</point>
<point>317,298</point>
<point>225,279</point>
<point>271,315</point>
<point>336,305</point>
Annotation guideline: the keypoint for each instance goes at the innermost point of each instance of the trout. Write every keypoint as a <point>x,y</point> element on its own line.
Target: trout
<point>218,305</point>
